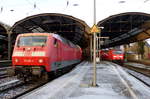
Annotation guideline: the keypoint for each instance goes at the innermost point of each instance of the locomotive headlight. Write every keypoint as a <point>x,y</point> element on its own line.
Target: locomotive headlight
<point>16,60</point>
<point>40,60</point>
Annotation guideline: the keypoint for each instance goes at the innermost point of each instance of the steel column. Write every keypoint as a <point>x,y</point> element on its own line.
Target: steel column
<point>9,45</point>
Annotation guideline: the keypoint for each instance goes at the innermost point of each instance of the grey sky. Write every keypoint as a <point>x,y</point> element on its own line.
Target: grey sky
<point>14,10</point>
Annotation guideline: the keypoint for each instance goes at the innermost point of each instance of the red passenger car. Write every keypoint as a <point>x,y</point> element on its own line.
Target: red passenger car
<point>41,53</point>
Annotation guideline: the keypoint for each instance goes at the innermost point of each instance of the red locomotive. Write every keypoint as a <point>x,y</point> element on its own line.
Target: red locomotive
<point>112,55</point>
<point>115,55</point>
<point>38,54</point>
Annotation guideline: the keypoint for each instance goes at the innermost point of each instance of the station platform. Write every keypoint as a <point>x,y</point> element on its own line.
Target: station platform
<point>112,83</point>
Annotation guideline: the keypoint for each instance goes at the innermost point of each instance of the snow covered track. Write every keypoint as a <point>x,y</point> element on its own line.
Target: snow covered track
<point>138,88</point>
<point>16,88</point>
<point>6,85</point>
<point>5,63</point>
<point>132,93</point>
<point>113,83</point>
<point>143,69</point>
<point>143,78</point>
<point>3,72</point>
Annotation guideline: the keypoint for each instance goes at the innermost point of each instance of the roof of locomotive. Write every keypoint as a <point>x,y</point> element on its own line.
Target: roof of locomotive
<point>46,34</point>
<point>35,34</point>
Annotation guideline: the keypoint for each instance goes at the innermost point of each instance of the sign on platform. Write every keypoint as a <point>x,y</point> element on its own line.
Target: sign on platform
<point>95,29</point>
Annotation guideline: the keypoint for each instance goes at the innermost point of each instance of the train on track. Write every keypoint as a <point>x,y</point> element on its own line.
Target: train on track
<point>38,54</point>
<point>112,55</point>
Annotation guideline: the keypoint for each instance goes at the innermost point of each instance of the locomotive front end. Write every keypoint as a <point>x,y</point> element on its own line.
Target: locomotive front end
<point>30,54</point>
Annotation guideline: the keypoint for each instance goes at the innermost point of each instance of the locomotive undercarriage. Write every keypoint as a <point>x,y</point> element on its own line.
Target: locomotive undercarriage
<point>27,73</point>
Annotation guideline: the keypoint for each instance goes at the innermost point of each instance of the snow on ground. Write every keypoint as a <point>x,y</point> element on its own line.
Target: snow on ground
<point>112,81</point>
<point>140,89</point>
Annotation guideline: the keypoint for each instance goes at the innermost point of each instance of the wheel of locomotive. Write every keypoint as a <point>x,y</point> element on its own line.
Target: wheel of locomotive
<point>45,76</point>
<point>10,71</point>
<point>22,77</point>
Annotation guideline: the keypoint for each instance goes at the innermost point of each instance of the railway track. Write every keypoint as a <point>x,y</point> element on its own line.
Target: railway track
<point>139,72</point>
<point>141,62</point>
<point>5,63</point>
<point>3,76</point>
<point>8,85</point>
<point>144,71</point>
<point>3,72</point>
<point>140,78</point>
<point>16,88</point>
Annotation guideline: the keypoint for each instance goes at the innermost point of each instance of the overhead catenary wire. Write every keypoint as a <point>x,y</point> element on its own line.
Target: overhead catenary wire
<point>33,4</point>
<point>145,1</point>
<point>3,6</point>
<point>1,10</point>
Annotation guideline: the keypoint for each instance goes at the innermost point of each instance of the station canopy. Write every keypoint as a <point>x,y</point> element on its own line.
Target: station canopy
<point>67,26</point>
<point>125,28</point>
<point>3,40</point>
<point>3,31</point>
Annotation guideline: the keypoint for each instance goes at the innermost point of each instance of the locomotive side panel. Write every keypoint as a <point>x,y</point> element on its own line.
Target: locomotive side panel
<point>66,55</point>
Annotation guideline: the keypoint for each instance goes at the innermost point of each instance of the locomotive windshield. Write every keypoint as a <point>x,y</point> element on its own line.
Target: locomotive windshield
<point>32,41</point>
<point>118,52</point>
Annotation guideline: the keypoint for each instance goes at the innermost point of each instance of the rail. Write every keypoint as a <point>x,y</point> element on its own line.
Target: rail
<point>144,71</point>
<point>5,63</point>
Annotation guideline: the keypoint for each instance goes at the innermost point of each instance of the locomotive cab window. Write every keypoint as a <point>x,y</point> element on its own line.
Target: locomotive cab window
<point>32,41</point>
<point>55,42</point>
